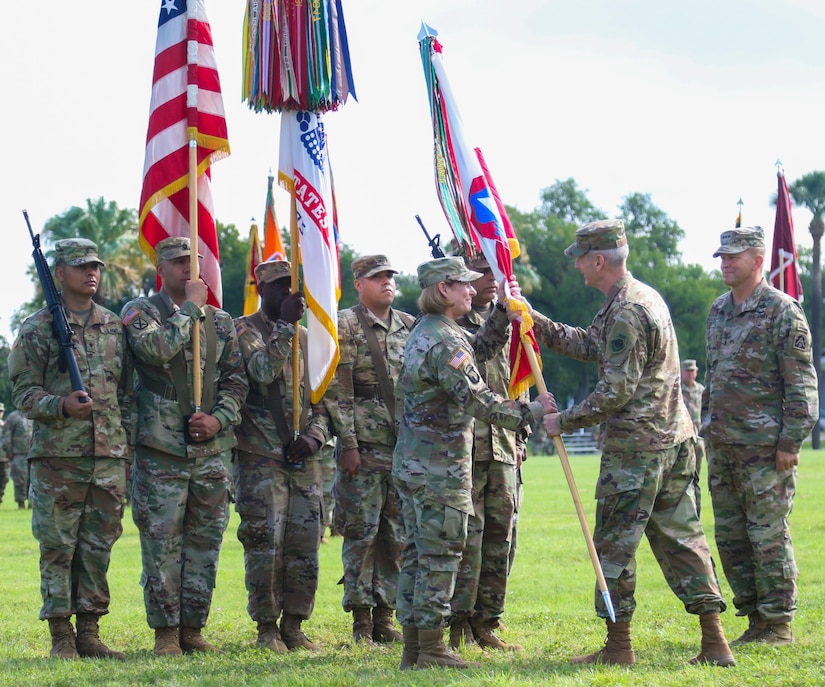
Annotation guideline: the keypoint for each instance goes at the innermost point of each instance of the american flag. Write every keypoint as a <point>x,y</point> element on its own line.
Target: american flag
<point>186,105</point>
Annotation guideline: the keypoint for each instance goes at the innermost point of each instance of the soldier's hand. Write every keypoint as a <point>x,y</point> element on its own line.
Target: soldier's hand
<point>292,308</point>
<point>350,461</point>
<point>548,401</point>
<point>551,424</point>
<point>197,291</point>
<point>303,447</point>
<point>786,461</point>
<point>203,427</point>
<point>74,407</point>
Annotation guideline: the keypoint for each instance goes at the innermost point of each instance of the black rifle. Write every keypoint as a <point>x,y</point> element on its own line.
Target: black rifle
<point>433,242</point>
<point>60,323</point>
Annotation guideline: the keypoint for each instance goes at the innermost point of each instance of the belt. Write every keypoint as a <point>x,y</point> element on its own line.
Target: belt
<point>366,391</point>
<point>165,391</point>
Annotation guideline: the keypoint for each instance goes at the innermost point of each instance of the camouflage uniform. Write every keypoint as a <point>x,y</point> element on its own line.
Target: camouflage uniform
<point>180,491</point>
<point>692,396</point>
<point>440,391</point>
<point>481,584</point>
<point>646,479</point>
<point>327,457</point>
<point>761,397</point>
<point>367,512</point>
<point>280,506</point>
<point>17,437</point>
<point>78,473</point>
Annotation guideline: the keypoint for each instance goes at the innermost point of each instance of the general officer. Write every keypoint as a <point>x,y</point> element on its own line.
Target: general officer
<point>361,403</point>
<point>440,392</point>
<point>180,478</point>
<point>646,480</point>
<point>760,404</point>
<point>78,450</point>
<point>278,478</point>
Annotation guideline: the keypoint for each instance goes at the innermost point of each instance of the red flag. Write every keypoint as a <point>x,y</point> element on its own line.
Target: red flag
<point>784,262</point>
<point>186,105</point>
<point>273,241</point>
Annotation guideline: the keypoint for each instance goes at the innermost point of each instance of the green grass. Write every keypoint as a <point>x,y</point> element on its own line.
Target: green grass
<point>549,610</point>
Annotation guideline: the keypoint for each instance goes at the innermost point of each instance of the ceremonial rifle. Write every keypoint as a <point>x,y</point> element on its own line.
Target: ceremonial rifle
<point>434,242</point>
<point>60,323</point>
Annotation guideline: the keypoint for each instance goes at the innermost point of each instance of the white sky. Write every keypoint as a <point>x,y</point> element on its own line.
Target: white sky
<point>692,103</point>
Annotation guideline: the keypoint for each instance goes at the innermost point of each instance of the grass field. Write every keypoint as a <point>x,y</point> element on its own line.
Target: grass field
<point>549,610</point>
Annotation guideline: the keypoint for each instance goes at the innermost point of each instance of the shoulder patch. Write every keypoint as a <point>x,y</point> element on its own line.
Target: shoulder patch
<point>800,342</point>
<point>129,316</point>
<point>459,358</point>
<point>240,329</point>
<point>618,343</point>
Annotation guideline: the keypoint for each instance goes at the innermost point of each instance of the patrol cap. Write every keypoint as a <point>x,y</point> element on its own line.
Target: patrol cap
<point>689,364</point>
<point>272,270</point>
<point>477,263</point>
<point>739,240</point>
<point>173,247</point>
<point>601,235</point>
<point>370,265</point>
<point>76,252</point>
<point>445,269</point>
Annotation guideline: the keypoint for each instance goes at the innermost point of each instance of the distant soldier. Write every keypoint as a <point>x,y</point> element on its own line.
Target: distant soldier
<point>361,403</point>
<point>180,478</point>
<point>278,487</point>
<point>5,461</point>
<point>692,396</point>
<point>481,585</point>
<point>16,441</point>
<point>761,402</point>
<point>646,484</point>
<point>78,450</point>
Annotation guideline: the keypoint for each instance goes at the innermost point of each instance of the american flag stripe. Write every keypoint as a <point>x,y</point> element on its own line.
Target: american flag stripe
<point>186,103</point>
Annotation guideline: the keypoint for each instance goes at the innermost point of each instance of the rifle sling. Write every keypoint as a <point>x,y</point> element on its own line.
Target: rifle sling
<point>384,383</point>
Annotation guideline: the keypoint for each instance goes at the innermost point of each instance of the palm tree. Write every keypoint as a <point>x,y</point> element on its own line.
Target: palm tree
<point>809,192</point>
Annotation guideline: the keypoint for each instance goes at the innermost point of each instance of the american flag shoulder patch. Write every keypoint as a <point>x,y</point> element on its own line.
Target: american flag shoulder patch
<point>459,358</point>
<point>129,316</point>
<point>240,328</point>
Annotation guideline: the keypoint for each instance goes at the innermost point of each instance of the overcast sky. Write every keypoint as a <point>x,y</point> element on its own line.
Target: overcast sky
<point>690,102</point>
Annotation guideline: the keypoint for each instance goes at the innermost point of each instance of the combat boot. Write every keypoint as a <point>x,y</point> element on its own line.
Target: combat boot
<point>293,636</point>
<point>167,641</point>
<point>461,632</point>
<point>383,629</point>
<point>63,639</point>
<point>270,638</point>
<point>432,652</point>
<point>486,638</point>
<point>777,634</point>
<point>409,656</point>
<point>756,627</point>
<point>617,649</point>
<point>361,625</point>
<point>88,639</point>
<point>21,505</point>
<point>192,641</point>
<point>715,650</point>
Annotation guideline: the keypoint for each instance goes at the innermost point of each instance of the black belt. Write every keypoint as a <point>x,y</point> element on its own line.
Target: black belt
<point>366,391</point>
<point>165,391</point>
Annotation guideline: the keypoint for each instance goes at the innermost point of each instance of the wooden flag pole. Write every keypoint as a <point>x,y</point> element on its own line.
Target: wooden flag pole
<point>294,250</point>
<point>194,271</point>
<point>571,482</point>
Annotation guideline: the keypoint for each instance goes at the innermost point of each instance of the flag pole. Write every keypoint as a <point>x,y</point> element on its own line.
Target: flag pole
<point>571,482</point>
<point>194,268</point>
<point>294,250</point>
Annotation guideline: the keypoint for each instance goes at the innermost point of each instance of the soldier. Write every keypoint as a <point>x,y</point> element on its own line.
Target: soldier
<point>328,457</point>
<point>759,405</point>
<point>481,585</point>
<point>5,462</point>
<point>361,404</point>
<point>440,391</point>
<point>692,396</point>
<point>180,478</point>
<point>78,450</point>
<point>646,479</point>
<point>278,486</point>
<point>16,440</point>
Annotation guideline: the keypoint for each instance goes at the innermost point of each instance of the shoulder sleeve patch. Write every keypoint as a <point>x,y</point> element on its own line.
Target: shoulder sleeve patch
<point>240,329</point>
<point>618,343</point>
<point>129,316</point>
<point>460,357</point>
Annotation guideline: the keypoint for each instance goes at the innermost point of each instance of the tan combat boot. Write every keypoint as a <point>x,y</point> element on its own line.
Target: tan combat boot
<point>63,639</point>
<point>270,638</point>
<point>715,650</point>
<point>777,634</point>
<point>192,641</point>
<point>756,627</point>
<point>432,652</point>
<point>167,641</point>
<point>383,629</point>
<point>293,636</point>
<point>88,639</point>
<point>461,632</point>
<point>617,649</point>
<point>486,638</point>
<point>409,656</point>
<point>362,625</point>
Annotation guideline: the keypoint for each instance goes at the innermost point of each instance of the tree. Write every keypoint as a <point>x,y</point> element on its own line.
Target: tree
<point>233,250</point>
<point>809,192</point>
